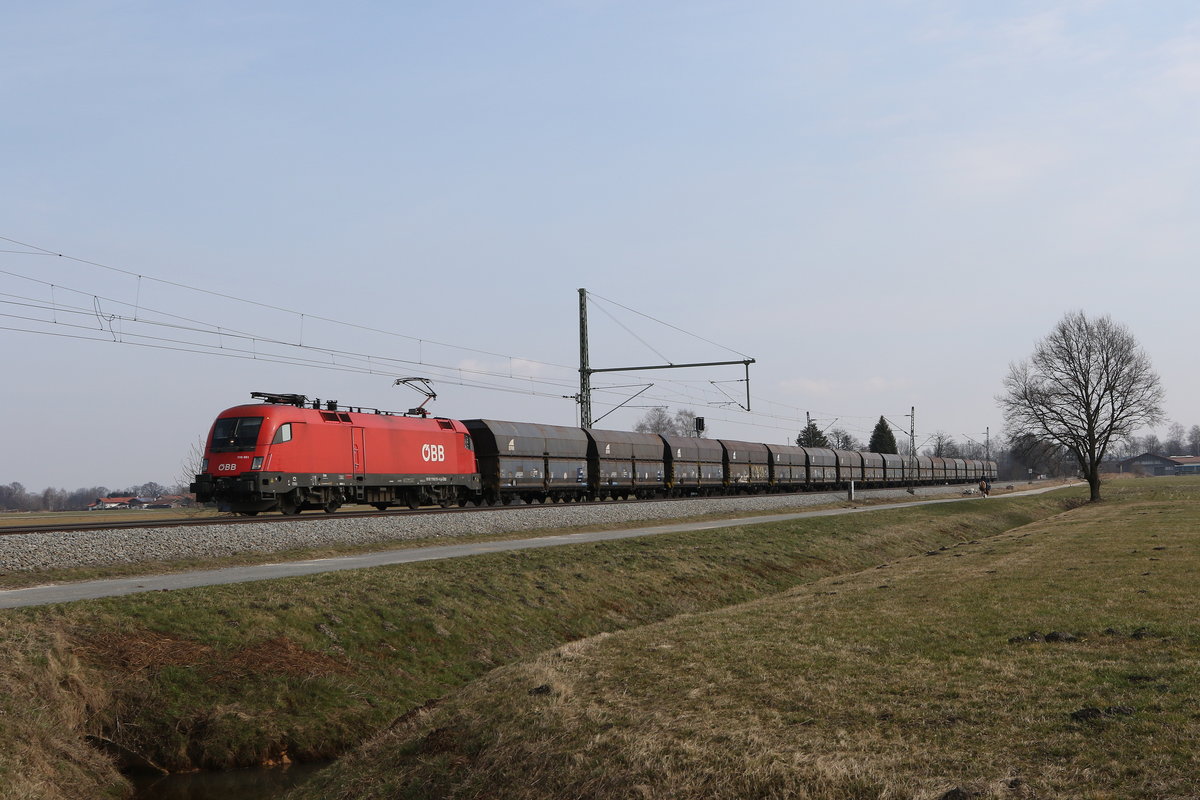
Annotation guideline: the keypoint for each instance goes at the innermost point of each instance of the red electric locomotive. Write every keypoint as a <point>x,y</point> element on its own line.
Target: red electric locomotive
<point>288,454</point>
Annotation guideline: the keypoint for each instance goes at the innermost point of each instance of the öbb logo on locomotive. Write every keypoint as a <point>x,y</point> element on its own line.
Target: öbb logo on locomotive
<point>324,455</point>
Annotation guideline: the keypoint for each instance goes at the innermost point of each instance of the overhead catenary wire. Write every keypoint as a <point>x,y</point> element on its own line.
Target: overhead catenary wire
<point>225,296</point>
<point>133,329</point>
<point>667,324</point>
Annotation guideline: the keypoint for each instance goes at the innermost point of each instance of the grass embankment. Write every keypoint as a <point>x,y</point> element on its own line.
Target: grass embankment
<point>307,668</point>
<point>21,579</point>
<point>1058,660</point>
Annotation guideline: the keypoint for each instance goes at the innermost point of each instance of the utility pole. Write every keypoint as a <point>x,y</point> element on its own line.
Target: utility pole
<point>912,449</point>
<point>586,371</point>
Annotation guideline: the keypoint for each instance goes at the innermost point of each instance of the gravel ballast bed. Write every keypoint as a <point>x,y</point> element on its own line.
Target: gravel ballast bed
<point>36,552</point>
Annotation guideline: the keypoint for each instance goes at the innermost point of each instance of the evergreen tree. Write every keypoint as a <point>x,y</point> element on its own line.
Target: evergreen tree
<point>812,437</point>
<point>882,439</point>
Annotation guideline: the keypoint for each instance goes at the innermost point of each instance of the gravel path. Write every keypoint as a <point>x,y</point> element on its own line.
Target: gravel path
<point>42,551</point>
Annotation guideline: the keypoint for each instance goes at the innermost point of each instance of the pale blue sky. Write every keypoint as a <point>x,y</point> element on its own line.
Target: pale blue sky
<point>884,203</point>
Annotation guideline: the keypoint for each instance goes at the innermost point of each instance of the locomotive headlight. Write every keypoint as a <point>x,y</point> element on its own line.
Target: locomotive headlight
<point>256,463</point>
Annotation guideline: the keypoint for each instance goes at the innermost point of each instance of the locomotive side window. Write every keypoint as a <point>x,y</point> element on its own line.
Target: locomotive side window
<point>234,434</point>
<point>283,434</point>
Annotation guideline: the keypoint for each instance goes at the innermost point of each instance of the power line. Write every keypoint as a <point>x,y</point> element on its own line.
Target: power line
<point>176,284</point>
<point>123,328</point>
<point>667,324</point>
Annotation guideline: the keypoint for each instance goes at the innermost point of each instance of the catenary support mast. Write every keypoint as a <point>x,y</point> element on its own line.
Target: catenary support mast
<point>586,372</point>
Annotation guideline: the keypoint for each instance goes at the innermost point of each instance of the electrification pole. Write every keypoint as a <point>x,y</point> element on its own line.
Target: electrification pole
<point>912,449</point>
<point>586,371</point>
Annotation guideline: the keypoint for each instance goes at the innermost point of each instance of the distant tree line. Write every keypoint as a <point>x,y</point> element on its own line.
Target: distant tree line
<point>15,497</point>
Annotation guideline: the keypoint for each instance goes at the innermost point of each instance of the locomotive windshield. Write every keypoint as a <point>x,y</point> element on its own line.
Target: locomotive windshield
<point>234,434</point>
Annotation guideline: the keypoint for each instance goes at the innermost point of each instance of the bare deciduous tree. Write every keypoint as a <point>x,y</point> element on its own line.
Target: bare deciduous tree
<point>1037,455</point>
<point>685,422</point>
<point>1087,385</point>
<point>657,420</point>
<point>1174,444</point>
<point>843,440</point>
<point>1150,443</point>
<point>942,445</point>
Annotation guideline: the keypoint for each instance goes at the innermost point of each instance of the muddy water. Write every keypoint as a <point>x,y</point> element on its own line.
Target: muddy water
<point>242,784</point>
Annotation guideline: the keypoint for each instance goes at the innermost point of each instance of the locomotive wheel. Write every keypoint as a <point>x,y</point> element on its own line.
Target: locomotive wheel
<point>380,506</point>
<point>289,505</point>
<point>247,513</point>
<point>332,506</point>
<point>413,501</point>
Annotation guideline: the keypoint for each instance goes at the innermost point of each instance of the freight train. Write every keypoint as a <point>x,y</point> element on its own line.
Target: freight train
<point>289,454</point>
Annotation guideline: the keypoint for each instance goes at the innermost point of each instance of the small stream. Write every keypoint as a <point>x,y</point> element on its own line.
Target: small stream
<point>240,784</point>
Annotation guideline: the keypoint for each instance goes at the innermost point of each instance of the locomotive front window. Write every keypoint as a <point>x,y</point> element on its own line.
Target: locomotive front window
<point>235,434</point>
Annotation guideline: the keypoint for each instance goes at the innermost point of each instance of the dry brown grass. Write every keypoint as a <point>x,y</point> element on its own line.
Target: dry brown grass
<point>150,651</point>
<point>240,675</point>
<point>50,699</point>
<point>908,680</point>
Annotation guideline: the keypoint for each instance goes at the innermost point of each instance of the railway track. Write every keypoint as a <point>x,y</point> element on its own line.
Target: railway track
<point>316,516</point>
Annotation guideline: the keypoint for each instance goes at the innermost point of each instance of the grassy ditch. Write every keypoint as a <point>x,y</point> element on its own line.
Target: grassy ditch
<point>1056,660</point>
<point>307,668</point>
